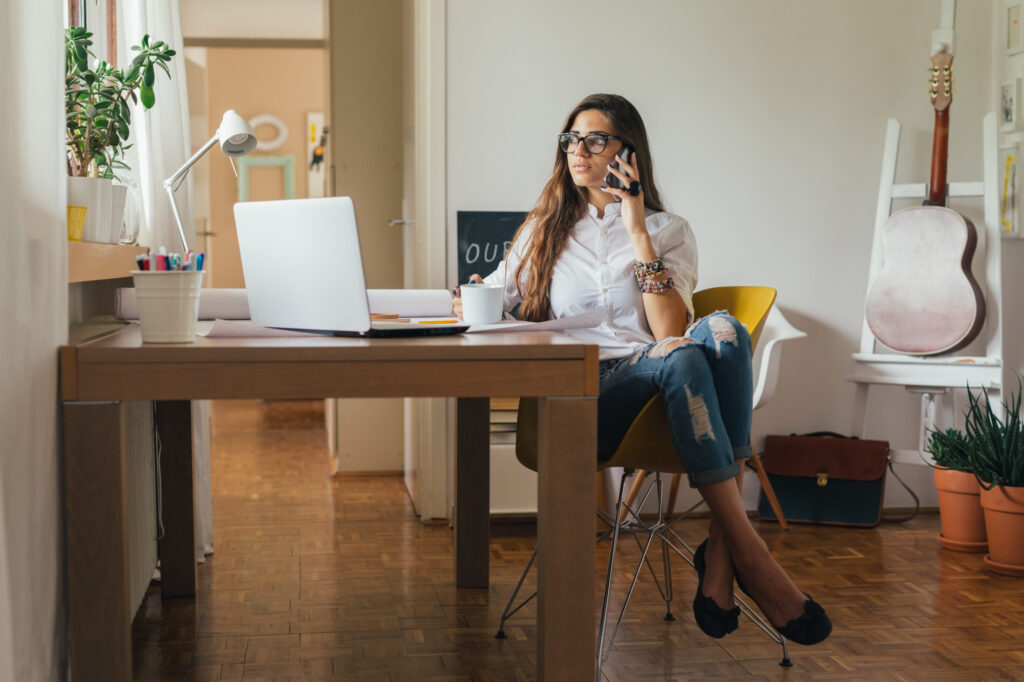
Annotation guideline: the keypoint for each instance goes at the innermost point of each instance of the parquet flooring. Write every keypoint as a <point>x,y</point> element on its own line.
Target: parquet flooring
<point>321,578</point>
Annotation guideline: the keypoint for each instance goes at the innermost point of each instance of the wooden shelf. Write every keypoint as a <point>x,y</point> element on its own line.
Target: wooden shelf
<point>89,261</point>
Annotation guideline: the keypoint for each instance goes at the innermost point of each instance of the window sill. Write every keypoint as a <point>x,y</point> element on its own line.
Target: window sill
<point>89,261</point>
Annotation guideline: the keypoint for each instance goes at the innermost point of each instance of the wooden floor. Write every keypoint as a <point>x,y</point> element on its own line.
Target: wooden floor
<point>320,578</point>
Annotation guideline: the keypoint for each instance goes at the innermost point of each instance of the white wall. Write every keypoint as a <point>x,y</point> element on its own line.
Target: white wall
<point>33,323</point>
<point>766,122</point>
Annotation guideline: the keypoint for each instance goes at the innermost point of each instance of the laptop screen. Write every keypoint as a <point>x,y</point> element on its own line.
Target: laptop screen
<point>302,264</point>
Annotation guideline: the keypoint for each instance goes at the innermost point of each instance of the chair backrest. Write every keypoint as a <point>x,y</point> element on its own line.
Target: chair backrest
<point>648,442</point>
<point>768,357</point>
<point>749,305</point>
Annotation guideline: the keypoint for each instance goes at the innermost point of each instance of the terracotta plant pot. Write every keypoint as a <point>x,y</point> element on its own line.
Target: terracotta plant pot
<point>1004,523</point>
<point>963,523</point>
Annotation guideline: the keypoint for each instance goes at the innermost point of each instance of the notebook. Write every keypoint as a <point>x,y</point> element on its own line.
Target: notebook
<point>303,270</point>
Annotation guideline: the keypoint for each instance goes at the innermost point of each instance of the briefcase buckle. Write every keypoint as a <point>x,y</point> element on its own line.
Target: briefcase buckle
<point>822,479</point>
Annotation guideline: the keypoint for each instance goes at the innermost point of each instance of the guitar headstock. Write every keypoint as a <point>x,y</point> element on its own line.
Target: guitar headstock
<point>941,88</point>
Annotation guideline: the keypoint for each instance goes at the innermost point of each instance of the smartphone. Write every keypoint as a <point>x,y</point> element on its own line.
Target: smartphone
<point>612,180</point>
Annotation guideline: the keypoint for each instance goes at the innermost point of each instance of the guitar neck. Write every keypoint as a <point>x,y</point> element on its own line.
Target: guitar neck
<point>940,152</point>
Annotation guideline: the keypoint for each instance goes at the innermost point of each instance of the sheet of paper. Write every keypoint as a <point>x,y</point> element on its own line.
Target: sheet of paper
<point>581,321</point>
<point>245,329</point>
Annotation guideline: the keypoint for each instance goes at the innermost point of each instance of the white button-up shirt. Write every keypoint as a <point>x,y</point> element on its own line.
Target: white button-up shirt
<point>595,271</point>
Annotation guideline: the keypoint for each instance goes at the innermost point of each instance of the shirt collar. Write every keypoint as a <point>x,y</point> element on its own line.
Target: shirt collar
<point>610,211</point>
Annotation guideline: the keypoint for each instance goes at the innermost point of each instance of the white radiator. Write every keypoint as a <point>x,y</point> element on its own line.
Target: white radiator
<point>142,538</point>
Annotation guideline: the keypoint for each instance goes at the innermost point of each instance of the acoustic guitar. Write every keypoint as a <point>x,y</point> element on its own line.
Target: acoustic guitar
<point>925,301</point>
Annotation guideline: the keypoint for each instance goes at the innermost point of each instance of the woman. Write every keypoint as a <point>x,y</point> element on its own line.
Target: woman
<point>587,246</point>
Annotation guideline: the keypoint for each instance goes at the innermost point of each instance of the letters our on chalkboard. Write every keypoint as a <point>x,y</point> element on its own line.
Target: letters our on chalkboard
<point>483,239</point>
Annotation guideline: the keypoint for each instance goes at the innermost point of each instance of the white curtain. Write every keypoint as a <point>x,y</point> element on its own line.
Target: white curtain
<point>161,133</point>
<point>161,147</point>
<point>33,324</point>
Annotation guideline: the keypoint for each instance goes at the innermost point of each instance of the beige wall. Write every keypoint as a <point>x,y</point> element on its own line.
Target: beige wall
<point>286,83</point>
<point>366,128</point>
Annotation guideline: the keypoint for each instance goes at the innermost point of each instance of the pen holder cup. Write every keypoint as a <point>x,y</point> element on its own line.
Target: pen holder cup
<point>168,302</point>
<point>481,303</point>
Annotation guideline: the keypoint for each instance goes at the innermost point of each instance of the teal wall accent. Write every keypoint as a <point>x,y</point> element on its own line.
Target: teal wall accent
<point>286,162</point>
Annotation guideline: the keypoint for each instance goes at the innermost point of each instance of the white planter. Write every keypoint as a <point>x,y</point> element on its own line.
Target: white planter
<point>117,202</point>
<point>103,205</point>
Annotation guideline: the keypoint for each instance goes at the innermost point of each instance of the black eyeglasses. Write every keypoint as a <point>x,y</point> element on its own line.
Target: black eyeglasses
<point>595,142</point>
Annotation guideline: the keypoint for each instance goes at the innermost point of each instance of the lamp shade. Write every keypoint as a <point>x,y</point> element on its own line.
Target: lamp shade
<point>236,136</point>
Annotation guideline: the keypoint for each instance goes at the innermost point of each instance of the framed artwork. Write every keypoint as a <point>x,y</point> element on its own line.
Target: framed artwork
<point>1009,191</point>
<point>1014,38</point>
<point>286,163</point>
<point>1009,105</point>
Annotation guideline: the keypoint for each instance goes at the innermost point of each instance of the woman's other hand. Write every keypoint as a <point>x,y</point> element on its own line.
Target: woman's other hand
<point>632,204</point>
<point>457,300</point>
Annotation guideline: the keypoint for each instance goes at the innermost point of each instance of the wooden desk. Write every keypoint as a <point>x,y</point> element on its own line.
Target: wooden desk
<point>97,375</point>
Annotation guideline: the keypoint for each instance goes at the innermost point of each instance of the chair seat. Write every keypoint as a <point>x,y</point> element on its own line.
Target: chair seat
<point>647,444</point>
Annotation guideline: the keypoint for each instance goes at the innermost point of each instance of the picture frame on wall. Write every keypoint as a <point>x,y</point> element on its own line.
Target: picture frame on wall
<point>1009,191</point>
<point>1014,36</point>
<point>1009,105</point>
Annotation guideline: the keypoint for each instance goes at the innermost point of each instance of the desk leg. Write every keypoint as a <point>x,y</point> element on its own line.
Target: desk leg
<point>96,502</point>
<point>178,546</point>
<point>472,492</point>
<point>567,440</point>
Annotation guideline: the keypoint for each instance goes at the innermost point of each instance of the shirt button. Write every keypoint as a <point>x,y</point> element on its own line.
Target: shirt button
<point>604,290</point>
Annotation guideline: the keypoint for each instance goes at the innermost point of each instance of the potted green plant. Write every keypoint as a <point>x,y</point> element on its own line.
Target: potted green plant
<point>96,97</point>
<point>960,513</point>
<point>997,456</point>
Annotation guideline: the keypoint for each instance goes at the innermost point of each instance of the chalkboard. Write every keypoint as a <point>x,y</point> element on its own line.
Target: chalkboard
<point>484,236</point>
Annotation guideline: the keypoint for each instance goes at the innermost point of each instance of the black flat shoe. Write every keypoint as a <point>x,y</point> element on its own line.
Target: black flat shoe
<point>712,619</point>
<point>811,627</point>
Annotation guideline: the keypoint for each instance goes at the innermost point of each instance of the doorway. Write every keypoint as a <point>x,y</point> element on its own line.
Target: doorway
<point>281,91</point>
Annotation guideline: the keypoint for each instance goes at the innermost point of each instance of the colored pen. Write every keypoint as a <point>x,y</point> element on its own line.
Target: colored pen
<point>437,321</point>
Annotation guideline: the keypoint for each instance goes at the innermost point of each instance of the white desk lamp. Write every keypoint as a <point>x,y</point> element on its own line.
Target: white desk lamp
<point>236,138</point>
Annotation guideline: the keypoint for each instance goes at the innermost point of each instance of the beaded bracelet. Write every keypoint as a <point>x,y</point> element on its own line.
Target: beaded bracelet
<point>652,276</point>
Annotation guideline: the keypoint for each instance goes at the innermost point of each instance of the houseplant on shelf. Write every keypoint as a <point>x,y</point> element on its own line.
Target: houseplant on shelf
<point>960,513</point>
<point>997,456</point>
<point>98,114</point>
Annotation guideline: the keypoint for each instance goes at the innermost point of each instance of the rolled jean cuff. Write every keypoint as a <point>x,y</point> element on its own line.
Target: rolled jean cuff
<point>742,452</point>
<point>699,478</point>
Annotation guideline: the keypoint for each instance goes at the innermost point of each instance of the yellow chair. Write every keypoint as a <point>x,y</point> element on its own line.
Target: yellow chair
<point>647,446</point>
<point>649,438</point>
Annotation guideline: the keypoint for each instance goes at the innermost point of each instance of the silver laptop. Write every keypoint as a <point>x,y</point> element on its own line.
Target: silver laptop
<point>303,269</point>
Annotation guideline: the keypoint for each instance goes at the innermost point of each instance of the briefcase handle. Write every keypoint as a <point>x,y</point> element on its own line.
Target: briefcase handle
<point>825,434</point>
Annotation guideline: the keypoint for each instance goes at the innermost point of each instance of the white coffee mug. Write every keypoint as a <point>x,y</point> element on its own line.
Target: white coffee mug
<point>481,303</point>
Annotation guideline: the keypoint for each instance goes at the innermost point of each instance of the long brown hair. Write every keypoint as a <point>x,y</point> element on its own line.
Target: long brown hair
<point>562,204</point>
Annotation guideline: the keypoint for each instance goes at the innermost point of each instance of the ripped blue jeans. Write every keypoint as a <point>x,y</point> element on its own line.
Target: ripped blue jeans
<point>708,390</point>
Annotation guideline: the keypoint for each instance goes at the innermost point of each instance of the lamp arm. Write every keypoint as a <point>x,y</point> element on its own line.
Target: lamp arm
<point>178,174</point>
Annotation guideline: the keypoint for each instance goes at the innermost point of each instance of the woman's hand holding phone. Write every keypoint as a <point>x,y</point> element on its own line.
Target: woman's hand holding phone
<point>623,181</point>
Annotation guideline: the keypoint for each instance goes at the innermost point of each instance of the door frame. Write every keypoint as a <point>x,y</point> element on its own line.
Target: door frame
<point>430,422</point>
